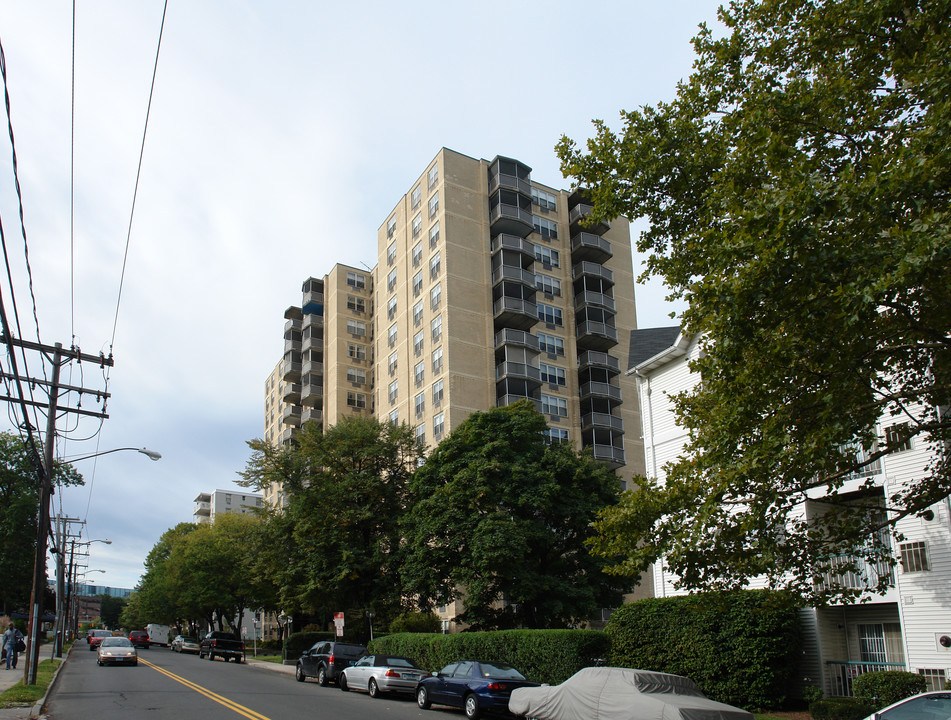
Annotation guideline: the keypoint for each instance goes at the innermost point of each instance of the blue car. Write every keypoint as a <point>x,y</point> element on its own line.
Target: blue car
<point>476,687</point>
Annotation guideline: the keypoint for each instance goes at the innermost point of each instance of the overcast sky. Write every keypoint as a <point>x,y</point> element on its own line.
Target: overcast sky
<point>282,132</point>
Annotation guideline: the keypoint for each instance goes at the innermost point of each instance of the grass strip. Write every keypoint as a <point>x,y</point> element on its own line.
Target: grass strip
<point>28,694</point>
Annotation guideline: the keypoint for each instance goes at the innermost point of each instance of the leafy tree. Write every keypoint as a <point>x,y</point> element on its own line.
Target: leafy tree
<point>338,537</point>
<point>158,598</point>
<point>500,519</point>
<point>797,190</point>
<point>111,608</point>
<point>19,501</point>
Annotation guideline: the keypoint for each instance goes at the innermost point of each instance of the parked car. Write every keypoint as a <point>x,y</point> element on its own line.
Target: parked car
<point>475,686</point>
<point>221,644</point>
<point>927,706</point>
<point>97,636</point>
<point>139,639</point>
<point>184,644</point>
<point>609,693</point>
<point>326,660</point>
<point>379,674</point>
<point>117,651</point>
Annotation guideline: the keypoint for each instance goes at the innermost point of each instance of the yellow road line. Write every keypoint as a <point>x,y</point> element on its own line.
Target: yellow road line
<point>240,709</point>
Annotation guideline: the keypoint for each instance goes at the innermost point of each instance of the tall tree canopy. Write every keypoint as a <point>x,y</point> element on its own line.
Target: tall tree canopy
<point>797,190</point>
<point>500,519</point>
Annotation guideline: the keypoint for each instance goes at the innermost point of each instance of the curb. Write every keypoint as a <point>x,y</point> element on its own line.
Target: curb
<point>37,710</point>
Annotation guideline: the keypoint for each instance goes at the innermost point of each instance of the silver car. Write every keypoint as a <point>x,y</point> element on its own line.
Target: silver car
<point>184,644</point>
<point>379,674</point>
<point>117,651</point>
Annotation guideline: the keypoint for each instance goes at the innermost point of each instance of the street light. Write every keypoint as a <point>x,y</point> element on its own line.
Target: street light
<point>150,454</point>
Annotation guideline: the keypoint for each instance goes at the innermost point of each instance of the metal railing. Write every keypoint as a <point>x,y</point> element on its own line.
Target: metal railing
<point>842,673</point>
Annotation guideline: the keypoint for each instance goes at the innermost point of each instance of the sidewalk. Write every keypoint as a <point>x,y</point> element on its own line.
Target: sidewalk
<point>9,678</point>
<point>274,667</point>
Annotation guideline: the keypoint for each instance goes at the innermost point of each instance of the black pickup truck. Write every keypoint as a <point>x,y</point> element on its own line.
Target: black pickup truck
<point>221,644</point>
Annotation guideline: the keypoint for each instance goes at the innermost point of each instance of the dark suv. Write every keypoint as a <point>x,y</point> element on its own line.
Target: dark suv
<point>139,639</point>
<point>325,661</point>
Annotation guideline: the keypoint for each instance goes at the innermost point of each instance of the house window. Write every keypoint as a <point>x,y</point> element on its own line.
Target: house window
<point>433,235</point>
<point>357,304</point>
<point>433,176</point>
<point>356,375</point>
<point>391,308</point>
<point>548,229</point>
<point>544,200</point>
<point>392,362</point>
<point>435,295</point>
<point>546,256</point>
<point>355,327</point>
<point>417,225</point>
<point>437,360</point>
<point>421,433</point>
<point>418,313</point>
<point>391,254</point>
<point>552,405</point>
<point>417,283</point>
<point>434,265</point>
<point>391,280</point>
<point>356,352</point>
<point>394,390</point>
<point>551,344</point>
<point>357,280</point>
<point>417,197</point>
<point>419,372</point>
<point>433,205</point>
<point>898,437</point>
<point>550,315</point>
<point>555,435</point>
<point>547,284</point>
<point>391,335</point>
<point>417,253</point>
<point>391,226</point>
<point>934,677</point>
<point>880,643</point>
<point>437,393</point>
<point>356,400</point>
<point>439,425</point>
<point>418,343</point>
<point>914,557</point>
<point>419,403</point>
<point>552,374</point>
<point>436,328</point>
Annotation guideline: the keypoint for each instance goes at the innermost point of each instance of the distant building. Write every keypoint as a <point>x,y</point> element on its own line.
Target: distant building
<point>210,505</point>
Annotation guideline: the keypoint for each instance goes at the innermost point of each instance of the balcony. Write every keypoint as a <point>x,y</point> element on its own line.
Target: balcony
<point>312,367</point>
<point>513,242</point>
<point>311,321</point>
<point>311,394</point>
<point>203,509</point>
<point>589,298</point>
<point>516,274</point>
<point>518,371</point>
<point>594,335</point>
<point>858,577</point>
<point>593,359</point>
<point>287,435</point>
<point>291,415</point>
<point>292,371</point>
<point>577,215</point>
<point>515,312</point>
<point>506,400</point>
<point>611,456</point>
<point>842,673</point>
<point>588,246</point>
<point>510,174</point>
<point>312,413</point>
<point>508,336</point>
<point>592,270</point>
<point>292,325</point>
<point>601,390</point>
<point>601,421</point>
<point>508,218</point>
<point>292,344</point>
<point>291,392</point>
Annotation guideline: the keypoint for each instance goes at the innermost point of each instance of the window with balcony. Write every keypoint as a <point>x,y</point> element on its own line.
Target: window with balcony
<point>547,257</point>
<point>433,235</point>
<point>436,328</point>
<point>417,225</point>
<point>391,254</point>
<point>419,403</point>
<point>394,391</point>
<point>437,360</point>
<point>356,327</point>
<point>434,265</point>
<point>548,285</point>
<point>433,176</point>
<point>417,253</point>
<point>357,304</point>
<point>550,315</point>
<point>417,283</point>
<point>437,393</point>
<point>548,229</point>
<point>433,205</point>
<point>435,296</point>
<point>552,374</point>
<point>391,308</point>
<point>554,406</point>
<point>551,344</point>
<point>439,425</point>
<point>356,375</point>
<point>356,352</point>
<point>914,557</point>
<point>418,343</point>
<point>356,400</point>
<point>419,372</point>
<point>417,197</point>
<point>357,280</point>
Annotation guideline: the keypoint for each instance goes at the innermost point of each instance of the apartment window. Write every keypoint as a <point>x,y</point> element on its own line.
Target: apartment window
<point>391,335</point>
<point>395,417</point>
<point>551,344</point>
<point>356,352</point>
<point>548,229</point>
<point>417,225</point>
<point>552,374</point>
<point>549,314</point>
<point>357,304</point>
<point>880,643</point>
<point>544,200</point>
<point>357,280</point>
<point>555,435</point>
<point>546,256</point>
<point>556,406</point>
<point>421,433</point>
<point>356,375</point>
<point>437,393</point>
<point>435,295</point>
<point>434,265</point>
<point>433,205</point>
<point>417,253</point>
<point>391,226</point>
<point>417,197</point>
<point>419,403</point>
<point>391,280</point>
<point>356,400</point>
<point>439,425</point>
<point>914,557</point>
<point>355,327</point>
<point>418,343</point>
<point>391,308</point>
<point>436,328</point>
<point>935,679</point>
<point>433,176</point>
<point>548,284</point>
<point>418,313</point>
<point>433,235</point>
<point>417,283</point>
<point>437,360</point>
<point>419,372</point>
<point>391,254</point>
<point>391,364</point>
<point>394,390</point>
<point>897,436</point>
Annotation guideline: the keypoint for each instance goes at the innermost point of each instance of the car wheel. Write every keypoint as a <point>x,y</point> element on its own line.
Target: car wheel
<point>211,655</point>
<point>472,707</point>
<point>322,676</point>
<point>342,683</point>
<point>299,674</point>
<point>373,688</point>
<point>422,698</point>
<point>99,662</point>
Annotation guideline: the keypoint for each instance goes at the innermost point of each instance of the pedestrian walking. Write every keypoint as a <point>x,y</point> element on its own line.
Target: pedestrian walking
<point>13,645</point>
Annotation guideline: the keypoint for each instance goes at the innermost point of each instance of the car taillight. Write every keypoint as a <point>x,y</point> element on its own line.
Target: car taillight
<point>496,686</point>
<point>331,659</point>
<point>392,673</point>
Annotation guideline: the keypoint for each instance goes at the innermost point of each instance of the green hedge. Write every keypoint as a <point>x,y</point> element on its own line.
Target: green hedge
<point>842,708</point>
<point>888,686</point>
<point>741,648</point>
<point>546,656</point>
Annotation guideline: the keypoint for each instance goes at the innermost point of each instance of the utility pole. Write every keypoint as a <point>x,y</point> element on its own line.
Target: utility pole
<point>57,356</point>
<point>62,534</point>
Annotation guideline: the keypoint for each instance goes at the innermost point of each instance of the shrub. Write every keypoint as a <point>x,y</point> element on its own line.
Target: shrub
<point>852,708</point>
<point>298,643</point>
<point>888,686</point>
<point>416,622</point>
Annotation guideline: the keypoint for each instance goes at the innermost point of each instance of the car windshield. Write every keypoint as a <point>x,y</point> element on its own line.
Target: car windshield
<point>189,639</point>
<point>491,670</point>
<point>921,708</point>
<point>398,662</point>
<point>116,642</point>
<point>102,633</point>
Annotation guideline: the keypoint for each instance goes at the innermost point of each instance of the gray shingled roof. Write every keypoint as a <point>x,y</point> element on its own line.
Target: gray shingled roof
<point>646,343</point>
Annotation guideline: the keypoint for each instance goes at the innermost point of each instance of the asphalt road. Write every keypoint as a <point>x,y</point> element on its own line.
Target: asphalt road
<point>167,685</point>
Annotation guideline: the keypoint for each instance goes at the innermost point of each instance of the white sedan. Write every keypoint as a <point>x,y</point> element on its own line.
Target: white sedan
<point>380,674</point>
<point>927,706</point>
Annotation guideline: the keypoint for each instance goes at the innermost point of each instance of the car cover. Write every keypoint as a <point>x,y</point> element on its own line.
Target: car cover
<point>603,693</point>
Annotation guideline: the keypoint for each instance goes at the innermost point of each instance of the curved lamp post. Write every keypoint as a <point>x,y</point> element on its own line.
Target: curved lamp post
<point>150,454</point>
